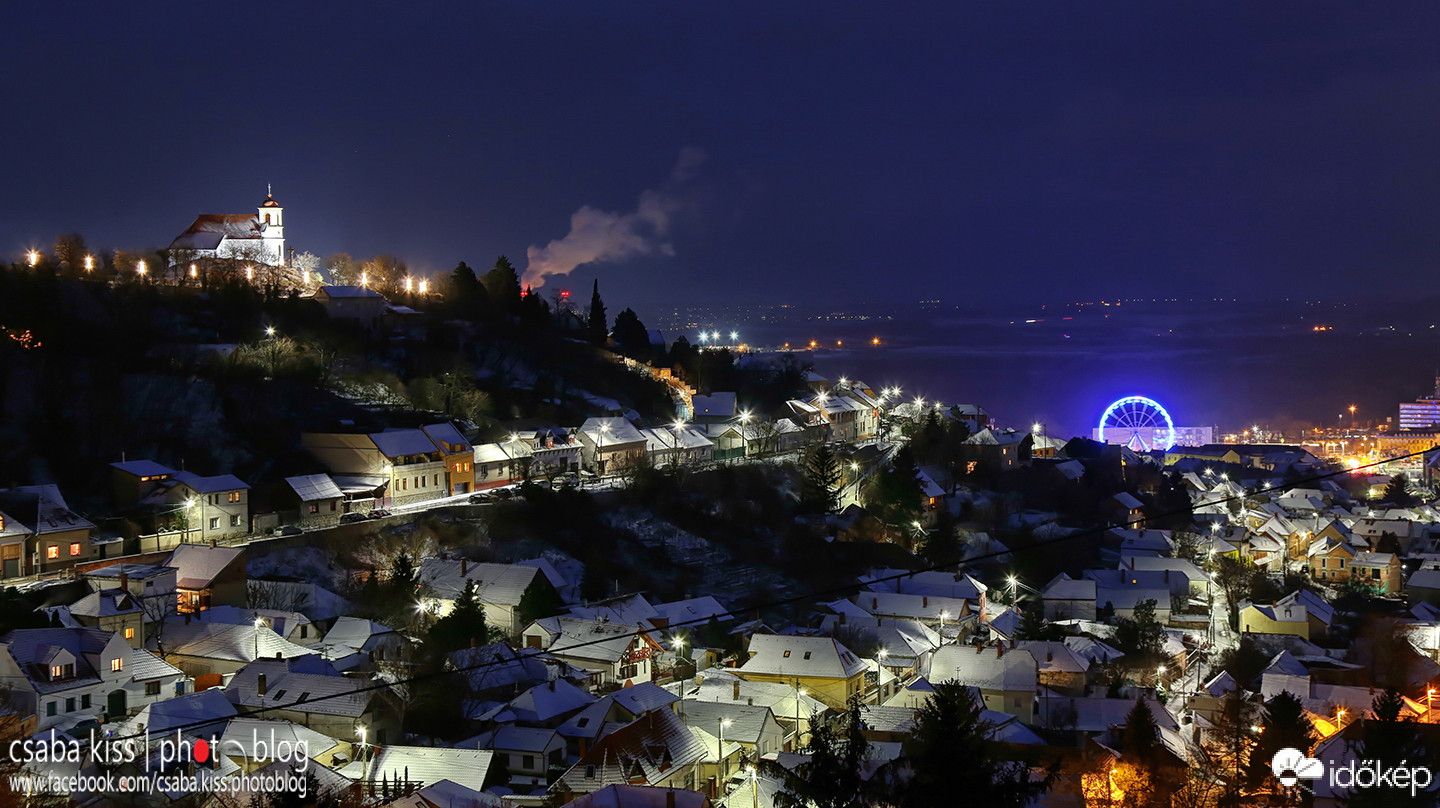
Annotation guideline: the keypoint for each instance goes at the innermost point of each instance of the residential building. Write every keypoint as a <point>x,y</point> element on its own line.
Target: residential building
<point>610,445</point>
<point>1330,560</point>
<point>113,610</point>
<point>404,463</point>
<point>354,303</point>
<point>39,532</point>
<point>1379,571</point>
<point>319,502</point>
<point>208,576</point>
<point>614,653</point>
<point>313,694</point>
<point>456,453</point>
<point>208,651</point>
<point>500,588</point>
<point>1006,678</point>
<point>657,751</point>
<point>214,507</point>
<point>821,666</point>
<point>65,675</point>
<point>1302,614</point>
<point>677,446</point>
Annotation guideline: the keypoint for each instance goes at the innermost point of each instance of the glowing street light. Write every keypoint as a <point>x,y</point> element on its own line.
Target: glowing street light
<point>704,337</point>
<point>409,285</point>
<point>194,271</point>
<point>424,287</point>
<point>715,335</point>
<point>33,257</point>
<point>364,279</point>
<point>140,268</point>
<point>249,273</point>
<point>89,263</point>
<point>269,330</point>
<point>734,335</point>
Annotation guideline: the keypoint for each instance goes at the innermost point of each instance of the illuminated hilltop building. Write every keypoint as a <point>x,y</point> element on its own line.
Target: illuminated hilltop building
<point>241,237</point>
<point>1423,414</point>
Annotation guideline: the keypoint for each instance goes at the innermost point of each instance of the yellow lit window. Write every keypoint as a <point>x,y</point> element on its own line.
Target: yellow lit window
<point>75,548</point>
<point>53,551</point>
<point>117,664</point>
<point>130,633</point>
<point>234,496</point>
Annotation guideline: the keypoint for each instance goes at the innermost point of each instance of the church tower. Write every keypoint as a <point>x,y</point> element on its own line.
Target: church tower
<point>272,227</point>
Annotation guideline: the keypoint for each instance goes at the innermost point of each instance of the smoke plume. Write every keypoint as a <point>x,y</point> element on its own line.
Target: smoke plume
<point>597,235</point>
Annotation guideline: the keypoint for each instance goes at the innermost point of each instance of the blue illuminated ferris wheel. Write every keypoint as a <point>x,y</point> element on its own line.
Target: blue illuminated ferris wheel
<point>1138,421</point>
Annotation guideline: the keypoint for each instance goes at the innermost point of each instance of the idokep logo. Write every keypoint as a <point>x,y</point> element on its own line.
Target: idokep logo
<point>1291,766</point>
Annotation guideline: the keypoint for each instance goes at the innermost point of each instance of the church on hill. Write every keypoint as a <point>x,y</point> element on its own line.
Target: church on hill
<point>257,238</point>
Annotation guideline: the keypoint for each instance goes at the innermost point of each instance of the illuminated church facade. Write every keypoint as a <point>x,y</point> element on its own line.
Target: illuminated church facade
<point>257,238</point>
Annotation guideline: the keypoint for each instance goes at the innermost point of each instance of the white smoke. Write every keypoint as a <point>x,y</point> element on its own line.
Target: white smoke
<point>598,235</point>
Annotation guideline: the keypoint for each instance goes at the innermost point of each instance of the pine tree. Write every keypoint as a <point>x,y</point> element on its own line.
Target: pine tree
<point>597,325</point>
<point>1283,725</point>
<point>949,759</point>
<point>1140,739</point>
<point>821,490</point>
<point>503,285</point>
<point>895,493</point>
<point>1034,626</point>
<point>1392,741</point>
<point>833,777</point>
<point>463,626</point>
<point>631,335</point>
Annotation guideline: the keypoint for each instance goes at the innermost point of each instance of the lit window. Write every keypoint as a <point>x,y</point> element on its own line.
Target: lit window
<point>75,548</point>
<point>53,551</point>
<point>117,664</point>
<point>234,496</point>
<point>130,633</point>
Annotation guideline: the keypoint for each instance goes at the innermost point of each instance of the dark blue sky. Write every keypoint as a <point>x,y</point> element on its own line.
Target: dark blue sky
<point>853,151</point>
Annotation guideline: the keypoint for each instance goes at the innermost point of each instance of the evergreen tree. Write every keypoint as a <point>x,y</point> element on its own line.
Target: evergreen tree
<point>597,326</point>
<point>534,310</point>
<point>949,757</point>
<point>1034,626</point>
<point>1283,725</point>
<point>1397,492</point>
<point>1140,738</point>
<point>463,626</point>
<point>1393,742</point>
<point>631,335</point>
<point>895,494</point>
<point>468,295</point>
<point>820,492</point>
<point>502,284</point>
<point>1141,637</point>
<point>833,777</point>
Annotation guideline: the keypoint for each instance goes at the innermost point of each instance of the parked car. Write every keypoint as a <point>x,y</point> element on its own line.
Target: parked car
<point>378,513</point>
<point>291,530</point>
<point>352,518</point>
<point>504,493</point>
<point>481,498</point>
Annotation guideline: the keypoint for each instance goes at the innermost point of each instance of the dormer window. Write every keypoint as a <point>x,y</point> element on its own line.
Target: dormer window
<point>65,671</point>
<point>117,664</point>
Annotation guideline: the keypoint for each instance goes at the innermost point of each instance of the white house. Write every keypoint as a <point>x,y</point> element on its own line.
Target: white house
<point>65,675</point>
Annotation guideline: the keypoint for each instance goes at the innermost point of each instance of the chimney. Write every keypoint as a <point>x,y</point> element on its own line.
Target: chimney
<point>464,566</point>
<point>735,696</point>
<point>924,601</point>
<point>999,649</point>
<point>277,655</point>
<point>669,798</point>
<point>124,581</point>
<point>552,685</point>
<point>260,684</point>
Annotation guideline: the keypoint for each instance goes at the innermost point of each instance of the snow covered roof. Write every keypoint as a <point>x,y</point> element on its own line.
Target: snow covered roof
<point>106,603</point>
<point>985,667</point>
<point>1063,587</point>
<point>427,764</point>
<point>499,584</point>
<point>401,442</point>
<point>197,565</point>
<point>143,468</point>
<point>201,638</point>
<point>587,639</point>
<point>312,487</point>
<point>617,431</point>
<point>824,657</point>
<point>218,484</point>
<point>541,703</point>
<point>693,612</point>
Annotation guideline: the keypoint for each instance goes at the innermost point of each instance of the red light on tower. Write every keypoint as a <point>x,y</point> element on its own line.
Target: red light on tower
<point>565,293</point>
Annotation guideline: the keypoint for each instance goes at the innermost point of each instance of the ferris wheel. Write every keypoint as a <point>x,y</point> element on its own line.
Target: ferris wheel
<point>1138,419</point>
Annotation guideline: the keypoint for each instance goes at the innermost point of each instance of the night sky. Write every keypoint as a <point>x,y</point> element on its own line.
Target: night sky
<point>756,152</point>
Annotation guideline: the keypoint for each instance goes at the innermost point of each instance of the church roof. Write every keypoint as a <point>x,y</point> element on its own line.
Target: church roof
<point>209,229</point>
<point>270,202</point>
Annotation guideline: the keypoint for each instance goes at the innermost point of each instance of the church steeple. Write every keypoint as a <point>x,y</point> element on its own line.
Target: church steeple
<point>272,227</point>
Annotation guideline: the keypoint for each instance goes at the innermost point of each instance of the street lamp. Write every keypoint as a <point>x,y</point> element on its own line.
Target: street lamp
<point>363,762</point>
<point>723,724</point>
<point>269,330</point>
<point>600,452</point>
<point>259,623</point>
<point>89,263</point>
<point>140,268</point>
<point>33,257</point>
<point>679,645</point>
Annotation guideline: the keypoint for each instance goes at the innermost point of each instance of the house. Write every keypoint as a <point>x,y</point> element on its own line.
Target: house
<point>524,751</point>
<point>546,705</point>
<point>1124,509</point>
<point>214,507</point>
<point>404,463</point>
<point>1329,560</point>
<point>1423,586</point>
<point>1006,678</point>
<point>135,480</point>
<point>609,445</point>
<point>356,643</point>
<point>1061,668</point>
<point>257,239</point>
<point>201,714</point>
<point>1301,613</point>
<point>113,610</point>
<point>500,588</point>
<point>1065,598</point>
<point>152,585</point>
<point>754,727</point>
<point>208,651</point>
<point>614,653</point>
<point>581,730</point>
<point>292,626</point>
<point>677,446</point>
<point>319,502</point>
<point>354,303</point>
<point>497,671</point>
<point>994,450</point>
<point>1379,571</point>
<point>39,532</point>
<point>414,766</point>
<point>819,665</point>
<point>657,751</point>
<point>456,453</point>
<point>251,743</point>
<point>714,408</point>
<point>208,576</point>
<point>313,694</point>
<point>65,675</point>
<point>792,707</point>
<point>152,680</point>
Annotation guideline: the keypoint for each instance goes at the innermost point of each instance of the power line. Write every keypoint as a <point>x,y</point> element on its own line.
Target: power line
<point>795,599</point>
